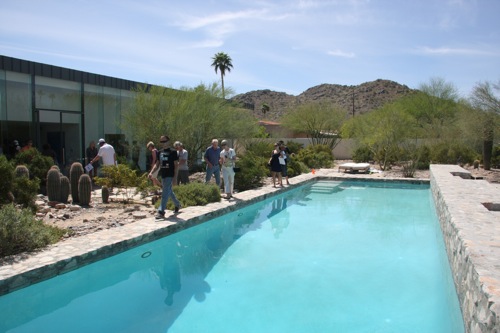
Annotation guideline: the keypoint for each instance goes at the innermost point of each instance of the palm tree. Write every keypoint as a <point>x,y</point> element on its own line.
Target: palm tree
<point>222,62</point>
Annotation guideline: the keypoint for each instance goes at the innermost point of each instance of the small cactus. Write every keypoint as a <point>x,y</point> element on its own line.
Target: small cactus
<point>53,185</point>
<point>75,172</point>
<point>105,194</point>
<point>476,164</point>
<point>65,189</point>
<point>84,189</point>
<point>22,171</point>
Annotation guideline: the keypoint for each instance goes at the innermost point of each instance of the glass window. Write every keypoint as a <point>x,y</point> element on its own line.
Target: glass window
<point>54,94</point>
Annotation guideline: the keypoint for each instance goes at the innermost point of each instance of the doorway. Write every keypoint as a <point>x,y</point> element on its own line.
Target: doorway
<point>62,130</point>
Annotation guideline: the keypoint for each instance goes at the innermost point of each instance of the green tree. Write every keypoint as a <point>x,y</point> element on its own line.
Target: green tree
<point>483,98</point>
<point>389,132</point>
<point>320,121</point>
<point>222,62</point>
<point>193,116</point>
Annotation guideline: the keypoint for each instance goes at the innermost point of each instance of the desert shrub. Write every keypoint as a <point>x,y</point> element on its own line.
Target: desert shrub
<point>495,157</point>
<point>260,149</point>
<point>7,172</point>
<point>316,156</point>
<point>37,164</point>
<point>20,231</point>
<point>294,147</point>
<point>446,153</point>
<point>362,154</point>
<point>25,190</point>
<point>253,171</point>
<point>122,176</point>
<point>194,194</point>
<point>295,167</point>
<point>424,157</point>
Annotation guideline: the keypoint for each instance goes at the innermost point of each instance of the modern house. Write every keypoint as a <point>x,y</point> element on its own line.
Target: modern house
<point>62,107</point>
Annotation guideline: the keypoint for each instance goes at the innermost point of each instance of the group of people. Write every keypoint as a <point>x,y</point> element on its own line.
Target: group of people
<point>278,163</point>
<point>171,163</point>
<point>219,159</point>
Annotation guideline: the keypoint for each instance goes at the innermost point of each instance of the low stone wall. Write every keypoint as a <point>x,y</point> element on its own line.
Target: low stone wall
<point>472,236</point>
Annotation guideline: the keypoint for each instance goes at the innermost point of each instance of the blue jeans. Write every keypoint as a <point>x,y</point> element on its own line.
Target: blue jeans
<point>214,170</point>
<point>167,193</point>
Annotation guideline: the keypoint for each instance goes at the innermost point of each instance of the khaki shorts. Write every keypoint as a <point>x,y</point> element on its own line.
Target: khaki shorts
<point>155,174</point>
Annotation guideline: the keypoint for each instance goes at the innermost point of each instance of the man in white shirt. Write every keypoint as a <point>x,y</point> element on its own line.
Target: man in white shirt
<point>106,153</point>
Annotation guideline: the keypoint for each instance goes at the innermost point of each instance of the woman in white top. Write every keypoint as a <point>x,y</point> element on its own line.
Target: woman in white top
<point>227,160</point>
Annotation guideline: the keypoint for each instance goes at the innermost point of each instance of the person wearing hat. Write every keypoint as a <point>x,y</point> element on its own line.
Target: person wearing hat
<point>227,160</point>
<point>106,154</point>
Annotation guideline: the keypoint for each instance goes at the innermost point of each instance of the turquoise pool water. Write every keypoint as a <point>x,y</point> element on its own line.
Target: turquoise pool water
<point>326,257</point>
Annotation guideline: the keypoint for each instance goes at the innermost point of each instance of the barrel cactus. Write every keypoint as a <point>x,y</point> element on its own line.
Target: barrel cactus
<point>84,189</point>
<point>75,172</point>
<point>22,171</point>
<point>54,185</point>
<point>105,194</point>
<point>65,188</point>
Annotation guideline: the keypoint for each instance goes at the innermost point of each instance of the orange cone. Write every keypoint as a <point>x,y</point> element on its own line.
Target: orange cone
<point>313,171</point>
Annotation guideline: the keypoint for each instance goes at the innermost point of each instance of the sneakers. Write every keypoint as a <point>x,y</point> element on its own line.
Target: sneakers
<point>176,209</point>
<point>160,216</point>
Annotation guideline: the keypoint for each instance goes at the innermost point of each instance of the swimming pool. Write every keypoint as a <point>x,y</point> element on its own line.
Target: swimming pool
<point>325,257</point>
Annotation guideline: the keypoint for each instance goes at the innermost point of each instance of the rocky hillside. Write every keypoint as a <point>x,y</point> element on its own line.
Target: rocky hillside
<point>364,97</point>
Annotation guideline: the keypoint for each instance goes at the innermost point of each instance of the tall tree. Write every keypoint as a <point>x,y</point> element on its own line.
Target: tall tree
<point>483,97</point>
<point>320,121</point>
<point>222,62</point>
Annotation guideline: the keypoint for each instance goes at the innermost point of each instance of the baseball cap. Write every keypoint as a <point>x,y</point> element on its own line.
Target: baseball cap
<point>102,141</point>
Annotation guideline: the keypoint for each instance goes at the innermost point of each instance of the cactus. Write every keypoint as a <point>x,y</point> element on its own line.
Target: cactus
<point>75,172</point>
<point>53,185</point>
<point>105,194</point>
<point>55,167</point>
<point>22,171</point>
<point>476,164</point>
<point>84,189</point>
<point>65,188</point>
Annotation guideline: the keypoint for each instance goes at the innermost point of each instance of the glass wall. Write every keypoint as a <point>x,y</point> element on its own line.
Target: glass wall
<point>64,116</point>
<point>16,120</point>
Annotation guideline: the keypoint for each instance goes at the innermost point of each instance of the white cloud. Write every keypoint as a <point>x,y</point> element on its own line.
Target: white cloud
<point>451,51</point>
<point>339,53</point>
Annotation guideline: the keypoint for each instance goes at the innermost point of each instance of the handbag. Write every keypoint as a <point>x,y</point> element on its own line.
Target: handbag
<point>236,169</point>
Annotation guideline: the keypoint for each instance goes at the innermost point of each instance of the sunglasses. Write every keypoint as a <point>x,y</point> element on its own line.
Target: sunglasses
<point>165,141</point>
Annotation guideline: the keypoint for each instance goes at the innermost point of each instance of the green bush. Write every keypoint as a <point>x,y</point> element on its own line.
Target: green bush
<point>260,149</point>
<point>194,194</point>
<point>294,147</point>
<point>25,190</point>
<point>452,153</point>
<point>316,156</point>
<point>121,176</point>
<point>7,172</point>
<point>253,171</point>
<point>37,164</point>
<point>424,157</point>
<point>21,232</point>
<point>362,154</point>
<point>295,168</point>
<point>495,157</point>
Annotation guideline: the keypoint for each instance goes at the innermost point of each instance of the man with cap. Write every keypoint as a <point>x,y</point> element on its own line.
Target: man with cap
<point>106,153</point>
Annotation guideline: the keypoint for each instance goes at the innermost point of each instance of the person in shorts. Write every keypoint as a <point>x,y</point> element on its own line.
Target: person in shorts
<point>154,156</point>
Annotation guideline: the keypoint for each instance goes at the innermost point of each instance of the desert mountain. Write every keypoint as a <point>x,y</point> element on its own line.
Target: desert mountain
<point>363,98</point>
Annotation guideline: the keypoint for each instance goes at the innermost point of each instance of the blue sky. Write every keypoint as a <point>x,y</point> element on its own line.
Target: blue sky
<point>282,45</point>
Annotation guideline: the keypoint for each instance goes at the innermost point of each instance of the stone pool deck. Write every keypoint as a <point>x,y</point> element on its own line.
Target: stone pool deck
<point>470,229</point>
